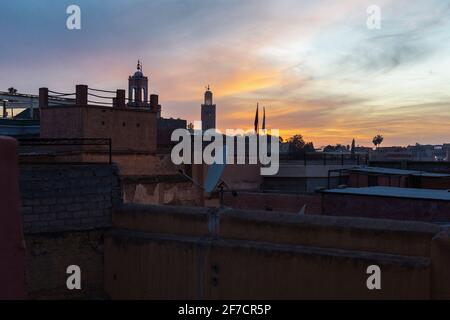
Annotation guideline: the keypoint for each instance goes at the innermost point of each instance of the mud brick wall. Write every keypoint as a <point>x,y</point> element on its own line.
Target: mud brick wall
<point>64,197</point>
<point>173,252</point>
<point>49,255</point>
<point>67,209</point>
<point>161,189</point>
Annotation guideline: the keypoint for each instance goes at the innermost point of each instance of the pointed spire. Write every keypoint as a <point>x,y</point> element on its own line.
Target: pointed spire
<point>257,118</point>
<point>264,119</point>
<point>139,65</point>
<point>208,96</point>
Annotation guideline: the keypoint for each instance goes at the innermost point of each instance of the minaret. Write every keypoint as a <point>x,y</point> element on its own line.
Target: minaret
<point>138,89</point>
<point>208,111</point>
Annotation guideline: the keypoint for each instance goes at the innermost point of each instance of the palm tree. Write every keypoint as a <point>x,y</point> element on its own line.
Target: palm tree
<point>377,140</point>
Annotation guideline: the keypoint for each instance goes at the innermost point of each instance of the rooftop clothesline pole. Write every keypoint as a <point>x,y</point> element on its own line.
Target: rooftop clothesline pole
<point>5,113</point>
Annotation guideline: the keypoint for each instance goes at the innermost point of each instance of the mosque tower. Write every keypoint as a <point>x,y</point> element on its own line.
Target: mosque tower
<point>208,111</point>
<point>138,92</point>
<point>138,89</point>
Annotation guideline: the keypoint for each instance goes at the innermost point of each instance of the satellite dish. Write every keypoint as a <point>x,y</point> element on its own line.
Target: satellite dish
<point>302,211</point>
<point>215,171</point>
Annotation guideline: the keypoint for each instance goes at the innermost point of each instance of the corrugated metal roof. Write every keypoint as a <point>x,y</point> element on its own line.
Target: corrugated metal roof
<point>394,192</point>
<point>398,172</point>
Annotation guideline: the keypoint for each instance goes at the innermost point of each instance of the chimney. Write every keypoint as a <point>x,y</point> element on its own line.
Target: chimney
<point>120,99</point>
<point>5,114</point>
<point>43,98</point>
<point>81,95</point>
<point>154,101</point>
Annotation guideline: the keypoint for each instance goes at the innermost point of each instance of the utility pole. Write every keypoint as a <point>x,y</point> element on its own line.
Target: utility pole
<point>4,109</point>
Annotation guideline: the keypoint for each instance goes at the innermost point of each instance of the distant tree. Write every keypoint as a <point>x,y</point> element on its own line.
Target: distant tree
<point>377,140</point>
<point>191,126</point>
<point>12,90</point>
<point>353,148</point>
<point>336,148</point>
<point>309,147</point>
<point>280,138</point>
<point>298,145</point>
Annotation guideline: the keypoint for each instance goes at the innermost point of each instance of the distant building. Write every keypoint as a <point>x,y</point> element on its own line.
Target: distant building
<point>165,129</point>
<point>139,135</point>
<point>446,151</point>
<point>391,153</point>
<point>427,152</point>
<point>388,203</point>
<point>24,123</point>
<point>363,150</point>
<point>131,129</point>
<point>389,177</point>
<point>416,152</point>
<point>298,176</point>
<point>208,111</point>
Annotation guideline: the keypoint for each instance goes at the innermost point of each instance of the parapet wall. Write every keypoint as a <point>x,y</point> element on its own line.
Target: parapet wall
<point>191,253</point>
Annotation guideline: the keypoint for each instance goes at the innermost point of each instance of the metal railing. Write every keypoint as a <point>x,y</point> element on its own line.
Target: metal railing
<point>320,158</point>
<point>99,97</point>
<point>60,98</point>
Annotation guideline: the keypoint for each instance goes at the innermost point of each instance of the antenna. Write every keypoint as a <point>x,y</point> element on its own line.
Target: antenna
<point>190,179</point>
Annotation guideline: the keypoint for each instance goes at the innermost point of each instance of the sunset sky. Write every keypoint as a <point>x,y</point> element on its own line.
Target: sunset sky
<point>313,64</point>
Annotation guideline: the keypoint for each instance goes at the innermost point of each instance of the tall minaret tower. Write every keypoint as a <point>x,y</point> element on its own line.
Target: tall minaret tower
<point>208,111</point>
<point>138,89</point>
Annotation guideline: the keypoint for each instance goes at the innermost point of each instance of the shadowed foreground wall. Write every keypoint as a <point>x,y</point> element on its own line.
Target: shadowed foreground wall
<point>157,252</point>
<point>49,255</point>
<point>67,209</point>
<point>12,253</point>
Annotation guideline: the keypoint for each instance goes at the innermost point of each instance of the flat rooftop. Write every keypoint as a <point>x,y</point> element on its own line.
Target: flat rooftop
<point>392,192</point>
<point>399,172</point>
